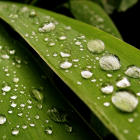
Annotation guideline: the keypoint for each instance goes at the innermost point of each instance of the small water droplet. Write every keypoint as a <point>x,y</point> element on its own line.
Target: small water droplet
<point>123,82</point>
<point>6,87</point>
<point>32,14</point>
<point>13,104</point>
<point>22,105</point>
<point>68,127</point>
<point>93,80</point>
<point>15,131</point>
<point>77,43</point>
<point>29,101</point>
<point>65,53</point>
<point>81,36</point>
<point>65,63</point>
<point>24,126</point>
<point>107,88</point>
<point>46,27</point>
<point>57,115</point>
<point>79,83</point>
<point>125,131</point>
<point>15,80</point>
<point>86,73</point>
<point>13,97</point>
<point>109,62</point>
<point>51,42</point>
<point>29,107</point>
<point>130,120</point>
<point>67,28</point>
<point>20,114</point>
<point>17,59</point>
<point>32,124</point>
<point>39,106</point>
<point>36,94</point>
<point>95,46</point>
<point>106,104</point>
<point>48,130</point>
<point>132,71</point>
<point>61,35</point>
<point>2,119</point>
<point>37,117</point>
<point>109,75</point>
<point>124,100</point>
<point>10,111</point>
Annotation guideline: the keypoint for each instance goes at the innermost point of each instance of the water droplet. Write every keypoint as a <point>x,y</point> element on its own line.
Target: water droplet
<point>6,87</point>
<point>106,104</point>
<point>15,80</point>
<point>32,124</point>
<point>37,117</point>
<point>86,73</point>
<point>17,59</point>
<point>125,131</point>
<point>48,130</point>
<point>65,63</point>
<point>24,126</point>
<point>46,27</point>
<point>20,114</point>
<point>77,43</point>
<point>122,82</point>
<point>46,121</point>
<point>13,104</point>
<point>29,101</point>
<point>130,120</point>
<point>65,53</point>
<point>29,107</point>
<point>2,119</point>
<point>124,100</point>
<point>68,127</point>
<point>68,28</point>
<point>15,131</point>
<point>132,71</point>
<point>12,51</point>
<point>13,97</point>
<point>61,35</point>
<point>109,75</point>
<point>10,111</point>
<point>51,42</point>
<point>57,115</point>
<point>39,106</point>
<point>95,46</point>
<point>22,105</point>
<point>109,62</point>
<point>80,36</point>
<point>79,83</point>
<point>36,94</point>
<point>93,80</point>
<point>5,56</point>
<point>107,88</point>
<point>32,14</point>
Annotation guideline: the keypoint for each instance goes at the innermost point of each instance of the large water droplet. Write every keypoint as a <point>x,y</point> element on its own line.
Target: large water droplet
<point>86,73</point>
<point>6,87</point>
<point>15,131</point>
<point>124,100</point>
<point>48,130</point>
<point>2,119</point>
<point>68,127</point>
<point>122,82</point>
<point>132,71</point>
<point>36,94</point>
<point>95,46</point>
<point>109,62</point>
<point>65,53</point>
<point>65,64</point>
<point>46,27</point>
<point>107,88</point>
<point>57,115</point>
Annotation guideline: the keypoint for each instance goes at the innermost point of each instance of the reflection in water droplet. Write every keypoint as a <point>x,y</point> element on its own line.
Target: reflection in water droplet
<point>57,115</point>
<point>109,62</point>
<point>36,94</point>
<point>15,131</point>
<point>24,126</point>
<point>107,88</point>
<point>124,100</point>
<point>6,87</point>
<point>122,82</point>
<point>132,71</point>
<point>95,46</point>
<point>65,64</point>
<point>48,130</point>
<point>86,73</point>
<point>46,27</point>
<point>2,119</point>
<point>65,53</point>
<point>68,127</point>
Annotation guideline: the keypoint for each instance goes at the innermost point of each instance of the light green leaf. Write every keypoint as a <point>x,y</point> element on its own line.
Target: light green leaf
<point>124,126</point>
<point>22,104</point>
<point>91,13</point>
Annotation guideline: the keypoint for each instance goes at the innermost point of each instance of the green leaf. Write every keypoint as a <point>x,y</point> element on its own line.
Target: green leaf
<point>22,104</point>
<point>91,13</point>
<point>89,92</point>
<point>126,4</point>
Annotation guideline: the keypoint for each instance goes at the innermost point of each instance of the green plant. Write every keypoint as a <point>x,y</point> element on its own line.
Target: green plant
<point>91,62</point>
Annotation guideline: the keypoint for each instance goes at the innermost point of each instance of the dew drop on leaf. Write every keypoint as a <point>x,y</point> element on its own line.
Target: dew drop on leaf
<point>6,87</point>
<point>48,130</point>
<point>46,27</point>
<point>15,80</point>
<point>107,88</point>
<point>2,119</point>
<point>51,42</point>
<point>106,104</point>
<point>65,53</point>
<point>37,117</point>
<point>123,82</point>
<point>61,35</point>
<point>32,124</point>
<point>86,73</point>
<point>37,94</point>
<point>124,100</point>
<point>24,126</point>
<point>65,63</point>
<point>32,14</point>
<point>95,46</point>
<point>132,71</point>
<point>57,115</point>
<point>13,104</point>
<point>109,62</point>
<point>39,106</point>
<point>67,127</point>
<point>81,36</point>
<point>15,131</point>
